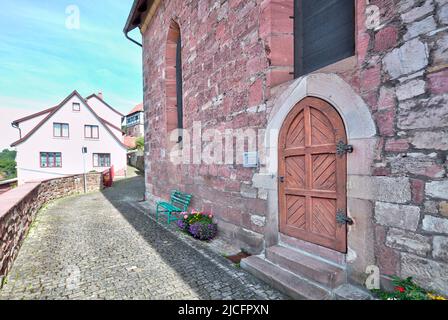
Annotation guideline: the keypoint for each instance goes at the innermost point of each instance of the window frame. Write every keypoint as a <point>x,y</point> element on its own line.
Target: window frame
<point>61,124</point>
<point>47,162</point>
<point>78,109</point>
<point>100,155</point>
<point>91,132</point>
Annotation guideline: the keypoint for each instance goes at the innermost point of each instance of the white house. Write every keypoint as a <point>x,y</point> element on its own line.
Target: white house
<point>52,141</point>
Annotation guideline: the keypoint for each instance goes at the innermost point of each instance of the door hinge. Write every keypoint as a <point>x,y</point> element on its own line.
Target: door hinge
<point>281,179</point>
<point>341,218</point>
<point>343,148</point>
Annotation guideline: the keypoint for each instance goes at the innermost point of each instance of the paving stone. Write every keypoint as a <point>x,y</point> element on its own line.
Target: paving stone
<point>104,246</point>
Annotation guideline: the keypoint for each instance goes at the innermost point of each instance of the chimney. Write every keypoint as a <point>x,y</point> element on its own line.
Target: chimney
<point>100,94</point>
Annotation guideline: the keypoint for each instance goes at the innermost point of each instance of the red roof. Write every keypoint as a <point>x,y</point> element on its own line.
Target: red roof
<point>129,142</point>
<point>137,108</point>
<point>53,110</point>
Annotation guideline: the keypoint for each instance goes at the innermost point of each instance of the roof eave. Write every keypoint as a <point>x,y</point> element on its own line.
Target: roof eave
<point>139,8</point>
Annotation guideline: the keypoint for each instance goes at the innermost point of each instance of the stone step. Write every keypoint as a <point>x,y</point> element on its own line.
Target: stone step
<point>350,292</point>
<point>307,266</point>
<point>283,280</point>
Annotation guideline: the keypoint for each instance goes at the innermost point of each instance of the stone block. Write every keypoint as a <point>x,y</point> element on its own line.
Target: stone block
<point>408,241</point>
<point>418,12</point>
<point>398,216</point>
<point>416,163</point>
<point>421,27</point>
<point>248,192</point>
<point>423,113</point>
<point>430,207</point>
<point>438,82</point>
<point>437,189</point>
<point>384,189</point>
<point>440,248</point>
<point>443,208</point>
<point>435,224</point>
<point>440,54</point>
<point>411,89</point>
<point>443,14</point>
<point>250,241</point>
<point>430,140</point>
<point>409,58</point>
<point>427,273</point>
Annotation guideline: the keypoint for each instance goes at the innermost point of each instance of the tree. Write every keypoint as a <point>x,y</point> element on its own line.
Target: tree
<point>8,164</point>
<point>140,143</point>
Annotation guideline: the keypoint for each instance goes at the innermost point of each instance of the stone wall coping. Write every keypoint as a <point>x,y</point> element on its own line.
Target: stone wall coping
<point>11,198</point>
<point>14,196</point>
<point>8,181</point>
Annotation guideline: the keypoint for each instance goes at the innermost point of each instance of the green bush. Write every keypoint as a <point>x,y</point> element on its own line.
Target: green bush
<point>8,164</point>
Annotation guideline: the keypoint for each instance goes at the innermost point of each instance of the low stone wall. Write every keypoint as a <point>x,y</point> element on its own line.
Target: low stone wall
<point>18,209</point>
<point>137,160</point>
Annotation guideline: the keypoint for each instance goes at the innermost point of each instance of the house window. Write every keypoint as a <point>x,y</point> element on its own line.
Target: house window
<point>50,160</point>
<point>76,106</point>
<point>132,120</point>
<point>101,159</point>
<point>324,33</point>
<point>91,132</point>
<point>60,130</point>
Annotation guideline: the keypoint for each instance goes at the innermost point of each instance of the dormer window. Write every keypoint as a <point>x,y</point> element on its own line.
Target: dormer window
<point>76,106</point>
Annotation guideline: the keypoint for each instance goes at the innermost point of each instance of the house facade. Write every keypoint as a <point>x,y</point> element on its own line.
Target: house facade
<point>348,103</point>
<point>134,121</point>
<point>78,135</point>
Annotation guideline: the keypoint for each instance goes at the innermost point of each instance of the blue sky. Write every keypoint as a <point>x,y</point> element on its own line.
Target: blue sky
<point>42,61</point>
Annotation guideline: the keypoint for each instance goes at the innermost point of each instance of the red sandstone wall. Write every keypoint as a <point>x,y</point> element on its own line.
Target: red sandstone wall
<point>236,52</point>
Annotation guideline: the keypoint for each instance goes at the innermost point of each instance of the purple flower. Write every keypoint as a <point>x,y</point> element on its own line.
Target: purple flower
<point>203,231</point>
<point>182,224</point>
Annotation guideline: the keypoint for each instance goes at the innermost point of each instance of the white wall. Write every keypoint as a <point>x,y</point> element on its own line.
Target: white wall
<point>28,152</point>
<point>104,111</point>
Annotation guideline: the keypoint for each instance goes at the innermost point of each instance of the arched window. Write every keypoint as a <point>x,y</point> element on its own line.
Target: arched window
<point>174,92</point>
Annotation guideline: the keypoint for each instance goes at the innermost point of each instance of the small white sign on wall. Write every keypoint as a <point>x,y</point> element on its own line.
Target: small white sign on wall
<point>250,159</point>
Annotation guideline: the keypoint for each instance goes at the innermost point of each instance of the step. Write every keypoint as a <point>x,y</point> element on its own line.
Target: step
<point>283,280</point>
<point>350,292</point>
<point>307,266</point>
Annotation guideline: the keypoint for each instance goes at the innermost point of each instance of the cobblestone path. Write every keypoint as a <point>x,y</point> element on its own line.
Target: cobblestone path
<point>103,246</point>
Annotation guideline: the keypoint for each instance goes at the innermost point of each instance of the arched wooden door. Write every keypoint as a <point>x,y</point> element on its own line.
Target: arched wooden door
<point>312,186</point>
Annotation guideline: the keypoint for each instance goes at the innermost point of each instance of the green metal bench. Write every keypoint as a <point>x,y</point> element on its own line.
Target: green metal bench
<point>179,202</point>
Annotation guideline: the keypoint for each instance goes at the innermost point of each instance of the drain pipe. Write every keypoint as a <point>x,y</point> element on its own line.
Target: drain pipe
<point>16,126</point>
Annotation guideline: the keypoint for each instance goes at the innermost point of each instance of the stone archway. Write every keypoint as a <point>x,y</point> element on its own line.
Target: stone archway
<point>361,133</point>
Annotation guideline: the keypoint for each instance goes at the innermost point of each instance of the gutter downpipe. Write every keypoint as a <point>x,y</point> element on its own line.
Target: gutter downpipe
<point>130,39</point>
<point>16,126</point>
